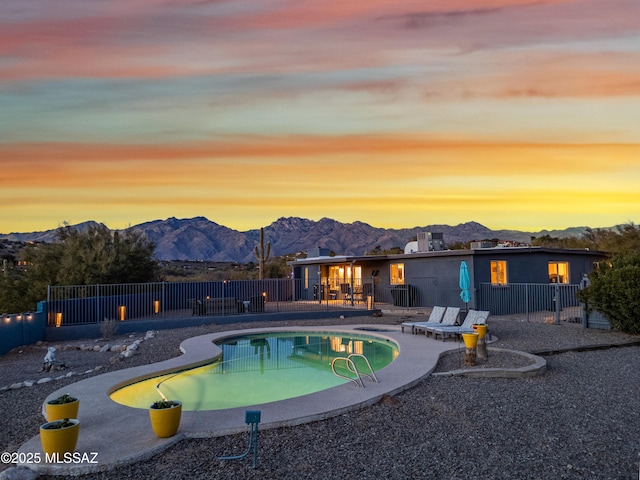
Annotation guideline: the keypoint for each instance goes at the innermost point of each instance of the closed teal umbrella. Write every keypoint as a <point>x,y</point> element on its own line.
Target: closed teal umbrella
<point>465,283</point>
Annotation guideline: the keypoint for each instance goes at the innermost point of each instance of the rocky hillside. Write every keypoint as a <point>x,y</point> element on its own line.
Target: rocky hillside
<point>201,239</point>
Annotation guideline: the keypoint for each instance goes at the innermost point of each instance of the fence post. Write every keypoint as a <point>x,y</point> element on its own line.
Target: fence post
<point>98,303</point>
<point>557,298</point>
<point>163,305</point>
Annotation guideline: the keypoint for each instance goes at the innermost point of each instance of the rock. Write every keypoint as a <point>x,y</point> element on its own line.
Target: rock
<point>116,348</point>
<point>97,348</point>
<point>128,353</point>
<point>389,400</point>
<point>29,383</point>
<point>70,374</point>
<point>87,372</point>
<point>68,347</point>
<point>44,380</point>
<point>18,473</point>
<point>15,386</point>
<point>105,348</point>
<point>115,359</point>
<point>133,346</point>
<point>150,334</point>
<point>40,343</point>
<point>99,367</point>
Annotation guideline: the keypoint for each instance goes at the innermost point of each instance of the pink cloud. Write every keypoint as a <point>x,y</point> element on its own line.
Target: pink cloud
<point>150,39</point>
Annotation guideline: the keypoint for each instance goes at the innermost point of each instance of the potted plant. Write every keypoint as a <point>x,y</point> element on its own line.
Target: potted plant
<point>59,436</point>
<point>165,417</point>
<point>480,329</point>
<point>65,406</point>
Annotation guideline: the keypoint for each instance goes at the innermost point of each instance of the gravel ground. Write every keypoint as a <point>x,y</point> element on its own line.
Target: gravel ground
<point>580,420</point>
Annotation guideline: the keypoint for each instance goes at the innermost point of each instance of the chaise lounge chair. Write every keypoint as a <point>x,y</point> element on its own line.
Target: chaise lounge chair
<point>448,320</point>
<point>434,319</point>
<point>473,317</point>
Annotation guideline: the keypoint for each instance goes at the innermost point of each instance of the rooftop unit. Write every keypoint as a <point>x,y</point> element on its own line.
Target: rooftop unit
<point>427,242</point>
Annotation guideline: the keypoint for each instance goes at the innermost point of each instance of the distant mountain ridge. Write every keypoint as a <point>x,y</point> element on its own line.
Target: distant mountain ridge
<point>199,238</point>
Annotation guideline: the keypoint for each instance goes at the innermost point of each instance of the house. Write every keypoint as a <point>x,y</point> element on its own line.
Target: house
<point>427,278</point>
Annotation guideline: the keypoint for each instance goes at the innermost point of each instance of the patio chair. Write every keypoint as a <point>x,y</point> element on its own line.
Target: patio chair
<point>449,319</point>
<point>437,313</point>
<point>473,317</point>
<point>345,290</point>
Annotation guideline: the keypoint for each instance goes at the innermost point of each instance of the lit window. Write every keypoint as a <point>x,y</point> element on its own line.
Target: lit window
<point>336,276</point>
<point>558,272</point>
<point>397,274</point>
<point>499,272</point>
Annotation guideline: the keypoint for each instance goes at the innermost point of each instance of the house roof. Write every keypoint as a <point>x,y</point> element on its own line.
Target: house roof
<point>341,259</point>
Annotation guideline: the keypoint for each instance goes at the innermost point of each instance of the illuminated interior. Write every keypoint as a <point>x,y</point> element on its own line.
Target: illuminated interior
<point>397,274</point>
<point>499,272</point>
<point>558,272</point>
<point>341,274</point>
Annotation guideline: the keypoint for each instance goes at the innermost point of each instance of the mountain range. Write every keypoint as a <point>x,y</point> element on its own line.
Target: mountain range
<point>201,239</point>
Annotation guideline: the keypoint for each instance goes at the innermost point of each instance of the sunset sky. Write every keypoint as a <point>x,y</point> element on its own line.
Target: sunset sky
<point>517,114</point>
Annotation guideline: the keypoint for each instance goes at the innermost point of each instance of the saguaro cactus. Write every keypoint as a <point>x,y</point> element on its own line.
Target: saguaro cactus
<point>260,253</point>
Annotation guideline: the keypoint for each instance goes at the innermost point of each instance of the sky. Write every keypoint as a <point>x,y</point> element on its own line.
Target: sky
<point>520,114</point>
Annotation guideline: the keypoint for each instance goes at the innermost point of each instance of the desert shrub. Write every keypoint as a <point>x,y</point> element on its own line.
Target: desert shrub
<point>615,292</point>
<point>108,327</point>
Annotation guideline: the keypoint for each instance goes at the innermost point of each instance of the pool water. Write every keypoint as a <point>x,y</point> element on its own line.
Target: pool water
<point>256,369</point>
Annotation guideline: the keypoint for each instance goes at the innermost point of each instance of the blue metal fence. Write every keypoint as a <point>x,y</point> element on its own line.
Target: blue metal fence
<point>551,302</point>
<point>87,304</point>
<point>173,301</point>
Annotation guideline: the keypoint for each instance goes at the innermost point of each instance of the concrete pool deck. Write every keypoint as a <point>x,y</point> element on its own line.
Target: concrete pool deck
<point>112,434</point>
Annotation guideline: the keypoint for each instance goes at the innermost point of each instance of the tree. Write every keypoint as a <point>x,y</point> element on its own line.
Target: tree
<point>87,258</point>
<point>12,290</point>
<point>615,292</point>
<point>614,288</point>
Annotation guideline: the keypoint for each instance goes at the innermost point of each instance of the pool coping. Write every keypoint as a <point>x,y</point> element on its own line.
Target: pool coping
<point>121,435</point>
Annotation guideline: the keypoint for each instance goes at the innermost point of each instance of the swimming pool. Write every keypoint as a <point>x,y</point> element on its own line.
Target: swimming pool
<point>260,368</point>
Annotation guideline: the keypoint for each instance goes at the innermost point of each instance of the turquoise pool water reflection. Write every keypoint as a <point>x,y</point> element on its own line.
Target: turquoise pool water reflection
<point>261,368</point>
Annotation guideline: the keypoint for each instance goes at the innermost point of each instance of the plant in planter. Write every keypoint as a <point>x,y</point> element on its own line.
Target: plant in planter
<point>65,406</point>
<point>59,436</point>
<point>165,417</point>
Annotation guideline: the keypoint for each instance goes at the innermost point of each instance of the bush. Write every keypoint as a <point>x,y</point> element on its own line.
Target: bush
<point>615,292</point>
<point>108,327</point>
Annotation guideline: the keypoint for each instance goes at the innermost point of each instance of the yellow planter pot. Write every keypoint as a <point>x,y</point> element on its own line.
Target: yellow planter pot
<point>481,329</point>
<point>470,339</point>
<point>165,421</point>
<point>59,440</point>
<point>58,411</point>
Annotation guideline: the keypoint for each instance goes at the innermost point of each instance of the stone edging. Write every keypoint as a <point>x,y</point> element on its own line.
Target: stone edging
<point>538,367</point>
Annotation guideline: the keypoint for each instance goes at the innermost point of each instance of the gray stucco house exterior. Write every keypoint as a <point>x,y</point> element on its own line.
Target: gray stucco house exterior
<point>424,279</point>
